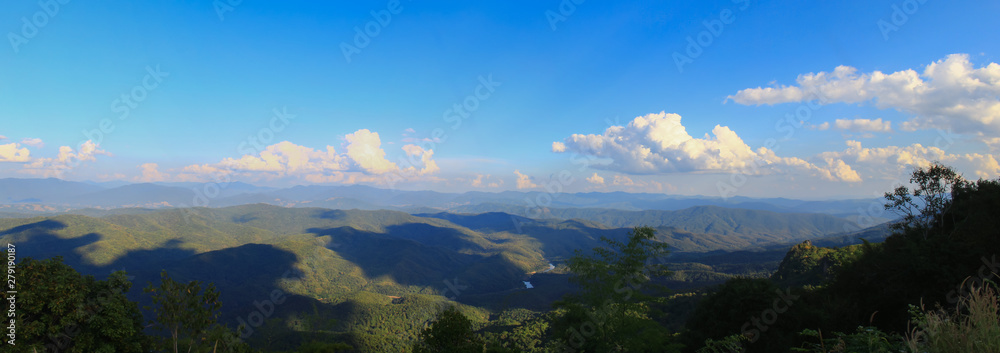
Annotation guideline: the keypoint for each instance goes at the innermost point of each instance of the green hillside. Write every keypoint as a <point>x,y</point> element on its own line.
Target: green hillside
<point>379,275</point>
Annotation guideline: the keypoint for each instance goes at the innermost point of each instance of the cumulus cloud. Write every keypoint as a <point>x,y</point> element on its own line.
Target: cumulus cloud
<point>363,160</point>
<point>365,148</point>
<point>426,159</point>
<point>863,125</point>
<point>659,144</point>
<point>894,161</point>
<point>821,127</point>
<point>622,180</point>
<point>13,152</point>
<point>65,160</point>
<point>151,173</point>
<point>558,147</point>
<point>33,142</point>
<point>486,181</point>
<point>949,94</point>
<point>283,158</point>
<point>595,179</point>
<point>524,181</point>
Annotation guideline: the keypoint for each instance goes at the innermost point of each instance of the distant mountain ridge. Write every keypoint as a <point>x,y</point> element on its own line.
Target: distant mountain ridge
<point>67,195</point>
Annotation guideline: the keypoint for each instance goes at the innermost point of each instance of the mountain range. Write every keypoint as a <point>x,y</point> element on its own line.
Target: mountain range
<point>55,195</point>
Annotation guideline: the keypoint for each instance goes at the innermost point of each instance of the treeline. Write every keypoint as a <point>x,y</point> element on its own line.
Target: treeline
<point>927,288</point>
<point>930,287</point>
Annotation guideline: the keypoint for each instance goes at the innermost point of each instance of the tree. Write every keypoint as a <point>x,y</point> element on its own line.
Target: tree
<point>452,333</point>
<point>61,310</point>
<point>926,205</point>
<point>189,316</point>
<point>611,313</point>
<point>752,314</point>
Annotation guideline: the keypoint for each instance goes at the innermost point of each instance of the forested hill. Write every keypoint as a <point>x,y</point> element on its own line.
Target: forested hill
<point>699,219</point>
<point>350,264</point>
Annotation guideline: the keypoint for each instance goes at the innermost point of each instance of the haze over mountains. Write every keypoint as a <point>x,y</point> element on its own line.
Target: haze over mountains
<point>55,195</point>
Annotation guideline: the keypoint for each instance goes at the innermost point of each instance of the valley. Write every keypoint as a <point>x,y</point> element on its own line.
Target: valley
<point>376,276</point>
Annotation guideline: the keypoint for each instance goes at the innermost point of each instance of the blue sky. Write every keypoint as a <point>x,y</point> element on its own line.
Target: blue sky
<point>555,77</point>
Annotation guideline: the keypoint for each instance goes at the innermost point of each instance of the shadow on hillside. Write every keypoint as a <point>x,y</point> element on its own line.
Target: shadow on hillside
<point>245,275</point>
<point>37,227</point>
<point>423,255</point>
<point>253,278</point>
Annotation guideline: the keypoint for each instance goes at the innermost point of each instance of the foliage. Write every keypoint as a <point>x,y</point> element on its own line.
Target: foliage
<point>972,326</point>
<point>728,344</point>
<point>738,307</point>
<point>863,340</point>
<point>928,203</point>
<point>805,264</point>
<point>451,333</point>
<point>64,311</point>
<point>611,313</point>
<point>187,314</point>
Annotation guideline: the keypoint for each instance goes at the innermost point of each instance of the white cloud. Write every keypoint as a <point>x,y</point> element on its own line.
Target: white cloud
<point>863,125</point>
<point>595,179</point>
<point>895,161</point>
<point>365,149</point>
<point>658,144</point>
<point>558,147</point>
<point>2,137</point>
<point>637,184</point>
<point>426,159</point>
<point>33,142</point>
<point>284,158</point>
<point>151,173</point>
<point>13,152</point>
<point>363,161</point>
<point>484,180</point>
<point>949,94</point>
<point>65,160</point>
<point>524,181</point>
<point>621,180</point>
